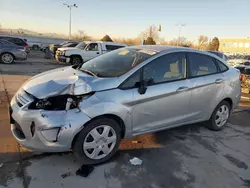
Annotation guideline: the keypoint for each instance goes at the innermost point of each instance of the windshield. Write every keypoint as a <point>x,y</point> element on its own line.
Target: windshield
<point>81,45</point>
<point>63,43</point>
<point>70,44</point>
<point>117,62</point>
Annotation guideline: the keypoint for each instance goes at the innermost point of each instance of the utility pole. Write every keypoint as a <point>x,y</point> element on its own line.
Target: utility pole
<point>70,6</point>
<point>179,27</point>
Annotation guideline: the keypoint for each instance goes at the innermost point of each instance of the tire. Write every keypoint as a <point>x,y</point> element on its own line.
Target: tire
<point>93,152</point>
<point>7,58</point>
<point>75,60</point>
<point>214,123</point>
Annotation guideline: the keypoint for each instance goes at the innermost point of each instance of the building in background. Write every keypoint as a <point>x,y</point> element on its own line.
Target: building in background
<point>235,45</point>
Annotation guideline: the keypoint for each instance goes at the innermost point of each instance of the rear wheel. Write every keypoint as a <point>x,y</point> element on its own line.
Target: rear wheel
<point>220,116</point>
<point>98,141</point>
<point>75,60</point>
<point>7,58</point>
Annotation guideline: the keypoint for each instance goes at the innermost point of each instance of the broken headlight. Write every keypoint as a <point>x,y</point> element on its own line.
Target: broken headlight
<point>62,102</point>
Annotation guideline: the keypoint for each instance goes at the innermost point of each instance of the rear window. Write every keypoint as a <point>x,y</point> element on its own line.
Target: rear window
<point>221,66</point>
<point>17,41</point>
<point>113,47</point>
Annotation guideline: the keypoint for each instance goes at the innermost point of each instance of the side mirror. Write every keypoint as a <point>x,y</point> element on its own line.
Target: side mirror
<point>142,86</point>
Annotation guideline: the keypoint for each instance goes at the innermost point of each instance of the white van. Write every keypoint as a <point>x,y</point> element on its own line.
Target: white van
<point>85,51</point>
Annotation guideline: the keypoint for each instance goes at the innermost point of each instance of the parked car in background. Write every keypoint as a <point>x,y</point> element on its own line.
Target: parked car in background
<point>53,47</point>
<point>17,41</point>
<point>10,52</point>
<point>123,93</point>
<point>219,54</point>
<point>85,51</point>
<point>236,62</point>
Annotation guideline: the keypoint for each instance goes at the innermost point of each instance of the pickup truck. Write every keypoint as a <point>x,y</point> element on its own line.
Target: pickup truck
<point>85,51</point>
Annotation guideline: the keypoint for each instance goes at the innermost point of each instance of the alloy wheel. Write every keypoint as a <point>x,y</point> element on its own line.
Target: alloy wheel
<point>7,58</point>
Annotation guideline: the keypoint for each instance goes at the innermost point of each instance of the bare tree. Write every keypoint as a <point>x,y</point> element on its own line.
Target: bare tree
<point>81,35</point>
<point>151,32</point>
<point>182,41</point>
<point>202,42</point>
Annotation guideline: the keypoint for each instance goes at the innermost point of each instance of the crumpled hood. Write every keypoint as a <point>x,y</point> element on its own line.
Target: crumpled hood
<point>66,81</point>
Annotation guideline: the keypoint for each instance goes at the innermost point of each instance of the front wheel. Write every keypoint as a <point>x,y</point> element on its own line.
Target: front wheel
<point>7,58</point>
<point>98,141</point>
<point>75,60</point>
<point>220,116</point>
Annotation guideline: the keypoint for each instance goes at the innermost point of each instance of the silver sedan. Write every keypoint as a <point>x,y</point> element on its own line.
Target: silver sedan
<point>121,94</point>
<point>10,52</point>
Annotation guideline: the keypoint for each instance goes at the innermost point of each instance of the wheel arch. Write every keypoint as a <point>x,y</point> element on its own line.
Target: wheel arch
<point>230,101</point>
<point>110,116</point>
<point>76,55</point>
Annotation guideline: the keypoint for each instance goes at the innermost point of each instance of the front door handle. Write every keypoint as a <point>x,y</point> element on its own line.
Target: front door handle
<point>183,88</point>
<point>218,81</point>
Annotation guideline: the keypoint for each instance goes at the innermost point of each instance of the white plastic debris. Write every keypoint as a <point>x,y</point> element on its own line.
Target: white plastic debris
<point>1,165</point>
<point>135,161</point>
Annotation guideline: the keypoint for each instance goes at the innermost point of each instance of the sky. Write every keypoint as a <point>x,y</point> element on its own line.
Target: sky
<point>128,18</point>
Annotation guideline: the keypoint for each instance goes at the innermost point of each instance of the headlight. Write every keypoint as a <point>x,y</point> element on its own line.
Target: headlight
<point>63,52</point>
<point>62,102</point>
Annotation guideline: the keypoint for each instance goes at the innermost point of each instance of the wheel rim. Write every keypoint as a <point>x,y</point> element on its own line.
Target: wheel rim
<point>222,115</point>
<point>99,142</point>
<point>7,58</point>
<point>76,61</point>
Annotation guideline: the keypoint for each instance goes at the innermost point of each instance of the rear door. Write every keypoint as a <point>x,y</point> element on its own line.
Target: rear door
<point>166,100</point>
<point>207,85</point>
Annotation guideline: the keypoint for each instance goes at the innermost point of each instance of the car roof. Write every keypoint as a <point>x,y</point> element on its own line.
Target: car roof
<point>165,48</point>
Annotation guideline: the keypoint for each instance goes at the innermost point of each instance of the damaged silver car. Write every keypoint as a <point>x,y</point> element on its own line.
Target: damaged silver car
<point>126,92</point>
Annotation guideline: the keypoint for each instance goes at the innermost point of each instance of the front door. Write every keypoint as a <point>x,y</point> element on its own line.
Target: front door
<point>91,51</point>
<point>166,100</point>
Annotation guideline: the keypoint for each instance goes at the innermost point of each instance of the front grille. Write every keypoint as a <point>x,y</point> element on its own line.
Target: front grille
<point>23,98</point>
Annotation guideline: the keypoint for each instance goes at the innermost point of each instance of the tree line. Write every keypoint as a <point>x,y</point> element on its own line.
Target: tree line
<point>150,36</point>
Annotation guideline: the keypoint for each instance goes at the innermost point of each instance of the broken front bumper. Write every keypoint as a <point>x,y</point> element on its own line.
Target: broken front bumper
<point>46,131</point>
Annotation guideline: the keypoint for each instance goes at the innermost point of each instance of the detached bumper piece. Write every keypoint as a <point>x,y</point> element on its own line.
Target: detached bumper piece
<point>51,135</point>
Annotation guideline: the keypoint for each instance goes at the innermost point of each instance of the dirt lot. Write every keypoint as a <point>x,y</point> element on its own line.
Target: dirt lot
<point>189,156</point>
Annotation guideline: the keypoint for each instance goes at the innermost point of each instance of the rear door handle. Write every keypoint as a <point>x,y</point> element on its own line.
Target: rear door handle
<point>97,53</point>
<point>183,88</point>
<point>218,81</point>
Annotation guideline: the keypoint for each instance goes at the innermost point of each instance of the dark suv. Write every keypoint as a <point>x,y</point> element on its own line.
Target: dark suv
<point>17,41</point>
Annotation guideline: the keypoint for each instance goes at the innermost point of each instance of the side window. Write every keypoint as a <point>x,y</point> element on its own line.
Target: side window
<point>132,80</point>
<point>200,65</point>
<point>166,68</point>
<point>221,66</point>
<point>92,47</point>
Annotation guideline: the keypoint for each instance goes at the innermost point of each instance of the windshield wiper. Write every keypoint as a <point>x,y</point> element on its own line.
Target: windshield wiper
<point>89,72</point>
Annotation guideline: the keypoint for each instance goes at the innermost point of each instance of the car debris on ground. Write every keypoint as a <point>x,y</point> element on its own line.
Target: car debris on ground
<point>85,170</point>
<point>66,175</point>
<point>135,161</point>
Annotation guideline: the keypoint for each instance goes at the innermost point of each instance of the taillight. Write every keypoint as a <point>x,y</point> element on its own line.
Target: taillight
<point>241,77</point>
<point>26,46</point>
